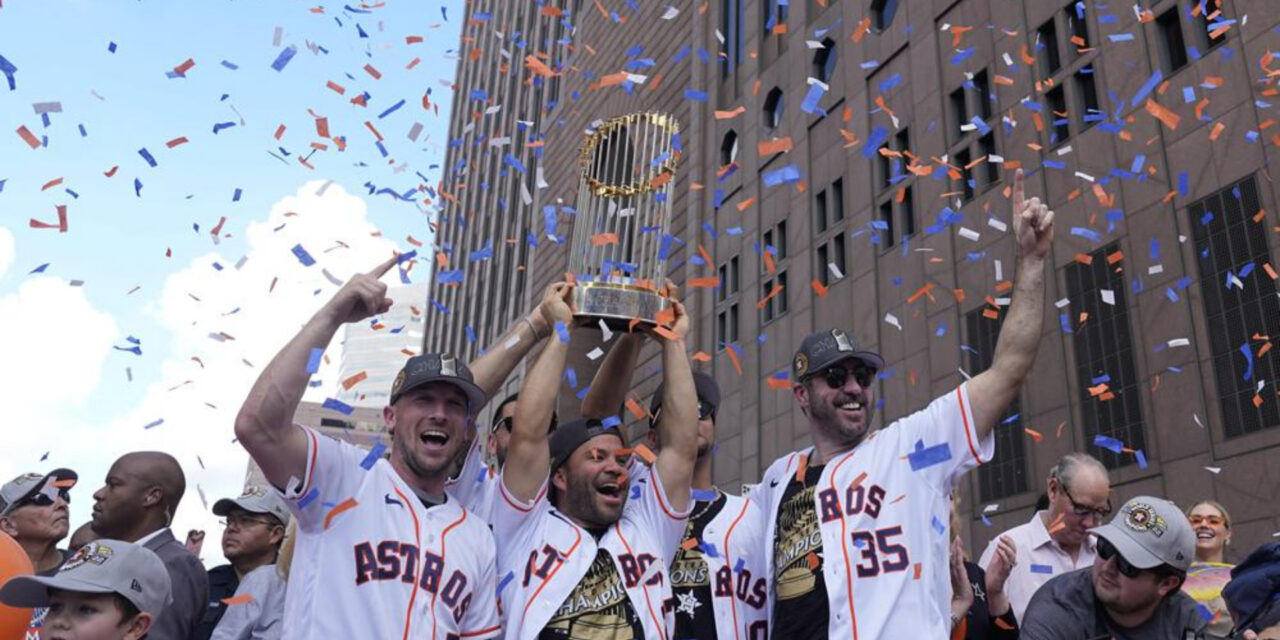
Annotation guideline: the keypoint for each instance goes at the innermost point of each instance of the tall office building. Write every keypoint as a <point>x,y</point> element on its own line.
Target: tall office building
<point>847,164</point>
<point>378,348</point>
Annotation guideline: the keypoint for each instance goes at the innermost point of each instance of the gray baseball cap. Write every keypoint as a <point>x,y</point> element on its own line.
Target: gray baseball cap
<point>14,492</point>
<point>255,499</point>
<point>102,566</point>
<point>825,348</point>
<point>1150,532</point>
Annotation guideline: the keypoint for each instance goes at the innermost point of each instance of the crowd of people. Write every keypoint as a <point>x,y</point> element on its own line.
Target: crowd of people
<point>550,530</point>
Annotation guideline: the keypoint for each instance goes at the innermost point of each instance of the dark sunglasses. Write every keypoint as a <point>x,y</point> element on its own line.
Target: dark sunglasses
<point>836,376</point>
<point>43,500</point>
<point>706,411</point>
<point>1106,551</point>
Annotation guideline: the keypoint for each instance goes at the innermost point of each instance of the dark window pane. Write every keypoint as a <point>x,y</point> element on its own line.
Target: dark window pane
<point>1047,48</point>
<point>1173,49</point>
<point>1059,118</point>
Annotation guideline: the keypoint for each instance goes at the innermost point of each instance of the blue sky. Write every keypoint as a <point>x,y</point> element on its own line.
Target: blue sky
<point>71,395</point>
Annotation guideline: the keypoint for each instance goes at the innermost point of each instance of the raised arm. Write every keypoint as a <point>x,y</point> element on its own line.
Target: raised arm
<point>991,391</point>
<point>529,450</point>
<point>612,380</point>
<point>265,422</point>
<point>493,368</point>
<point>678,426</point>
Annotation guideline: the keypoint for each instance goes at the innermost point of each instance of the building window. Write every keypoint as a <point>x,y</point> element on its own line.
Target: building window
<point>959,114</point>
<point>1006,474</point>
<point>729,148</point>
<point>830,260</point>
<point>727,326</point>
<point>1079,28</point>
<point>982,87</point>
<point>965,186</point>
<point>882,13</point>
<point>907,211</point>
<point>1047,48</point>
<point>1207,15</point>
<point>1087,108</point>
<point>820,211</point>
<point>734,275</point>
<point>988,171</point>
<point>774,105</point>
<point>727,302</point>
<point>1173,48</point>
<point>824,61</point>
<point>731,29</point>
<point>1105,372</point>
<point>837,200</point>
<point>1240,302</point>
<point>773,307</point>
<point>1059,118</point>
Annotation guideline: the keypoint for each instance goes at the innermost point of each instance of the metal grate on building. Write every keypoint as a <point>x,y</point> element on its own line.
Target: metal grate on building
<point>1110,399</point>
<point>1240,302</point>
<point>1006,474</point>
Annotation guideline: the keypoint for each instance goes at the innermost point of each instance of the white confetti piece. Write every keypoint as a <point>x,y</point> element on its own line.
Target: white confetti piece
<point>991,508</point>
<point>1108,296</point>
<point>1178,342</point>
<point>997,224</point>
<point>893,320</point>
<point>1213,470</point>
<point>969,234</point>
<point>835,271</point>
<point>1155,269</point>
<point>1062,304</point>
<point>604,329</point>
<point>999,271</point>
<point>670,13</point>
<point>1197,419</point>
<point>595,354</point>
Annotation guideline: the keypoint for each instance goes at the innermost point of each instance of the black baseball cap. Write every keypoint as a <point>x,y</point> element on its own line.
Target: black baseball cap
<point>569,436</point>
<point>438,367</point>
<point>707,389</point>
<point>825,348</point>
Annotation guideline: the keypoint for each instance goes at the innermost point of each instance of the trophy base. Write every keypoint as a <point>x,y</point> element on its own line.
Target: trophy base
<point>616,304</point>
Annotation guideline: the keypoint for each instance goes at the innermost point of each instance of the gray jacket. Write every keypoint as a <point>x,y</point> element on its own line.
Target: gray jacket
<point>190,589</point>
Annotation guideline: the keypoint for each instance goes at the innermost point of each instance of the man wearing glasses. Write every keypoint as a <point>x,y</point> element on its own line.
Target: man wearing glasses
<point>254,530</point>
<point>1057,540</point>
<point>1133,591</point>
<point>857,524</point>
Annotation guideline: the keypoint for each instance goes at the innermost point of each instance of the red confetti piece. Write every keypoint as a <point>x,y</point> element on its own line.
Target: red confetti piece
<point>28,137</point>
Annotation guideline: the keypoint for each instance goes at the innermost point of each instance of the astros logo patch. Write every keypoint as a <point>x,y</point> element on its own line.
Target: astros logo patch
<point>1143,518</point>
<point>94,552</point>
<point>801,364</point>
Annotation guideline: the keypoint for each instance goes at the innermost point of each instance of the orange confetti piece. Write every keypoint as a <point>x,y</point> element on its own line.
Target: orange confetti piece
<point>746,204</point>
<point>802,466</point>
<point>666,333</point>
<point>1217,131</point>
<point>1003,81</point>
<point>1058,524</point>
<point>812,559</point>
<point>1035,435</point>
<point>28,137</point>
<point>537,66</point>
<point>733,359</point>
<point>725,115</point>
<point>701,356</point>
<point>1169,118</point>
<point>354,380</point>
<point>344,506</point>
<point>689,543</point>
<point>601,239</point>
<point>777,288</point>
<point>1084,259</point>
<point>244,598</point>
<point>1115,257</point>
<point>916,571</point>
<point>644,453</point>
<point>770,147</point>
<point>635,409</point>
<point>708,281</point>
<point>779,385</point>
<point>861,30</point>
<point>1266,266</point>
<point>922,291</point>
<point>819,288</point>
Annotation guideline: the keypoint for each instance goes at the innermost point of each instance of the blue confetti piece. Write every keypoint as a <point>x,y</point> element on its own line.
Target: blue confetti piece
<point>83,132</point>
<point>137,187</point>
<point>514,162</point>
<point>1042,568</point>
<point>709,549</point>
<point>391,109</point>
<point>303,257</point>
<point>452,276</point>
<point>986,520</point>
<point>1146,88</point>
<point>39,269</point>
<point>1171,294</point>
<point>1086,233</point>
<point>9,70</point>
<point>153,424</point>
<point>571,376</point>
<point>891,82</point>
<point>938,526</point>
<point>511,575</point>
<point>983,129</point>
<point>1142,458</point>
<point>333,404</point>
<point>923,457</point>
<point>1248,357</point>
<point>235,197</point>
<point>111,46</point>
<point>705,495</point>
<point>878,135</point>
<point>1182,184</point>
<point>962,55</point>
<point>1108,443</point>
<point>313,362</point>
<point>696,96</point>
<point>562,331</point>
<point>1138,161</point>
<point>373,456</point>
<point>1120,37</point>
<point>610,422</point>
<point>146,155</point>
<point>285,56</point>
<point>811,99</point>
<point>784,175</point>
<point>222,125</point>
<point>311,496</point>
<point>230,65</point>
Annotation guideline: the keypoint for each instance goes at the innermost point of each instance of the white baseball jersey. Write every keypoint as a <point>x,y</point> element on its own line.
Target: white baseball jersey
<point>543,556</point>
<point>477,484</point>
<point>729,556</point>
<point>883,511</point>
<point>372,561</point>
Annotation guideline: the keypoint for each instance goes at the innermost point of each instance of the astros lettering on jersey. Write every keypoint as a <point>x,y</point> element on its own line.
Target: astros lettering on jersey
<point>883,525</point>
<point>387,567</point>
<point>542,556</point>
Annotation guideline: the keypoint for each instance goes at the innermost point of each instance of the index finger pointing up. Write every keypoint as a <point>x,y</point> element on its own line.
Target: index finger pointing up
<point>383,268</point>
<point>1019,195</point>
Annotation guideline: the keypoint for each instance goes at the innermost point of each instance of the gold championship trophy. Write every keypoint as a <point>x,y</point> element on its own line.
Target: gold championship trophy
<point>620,236</point>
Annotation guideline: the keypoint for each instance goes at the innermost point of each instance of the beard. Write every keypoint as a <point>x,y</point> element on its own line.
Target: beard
<point>827,417</point>
<point>583,502</point>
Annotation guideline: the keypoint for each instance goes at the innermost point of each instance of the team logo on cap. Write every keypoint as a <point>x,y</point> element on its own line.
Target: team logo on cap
<point>1143,518</point>
<point>448,366</point>
<point>399,382</point>
<point>92,553</point>
<point>254,492</point>
<point>801,364</point>
<point>842,341</point>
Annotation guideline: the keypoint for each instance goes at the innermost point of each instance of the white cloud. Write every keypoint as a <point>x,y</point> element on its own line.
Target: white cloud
<point>6,251</point>
<point>198,400</point>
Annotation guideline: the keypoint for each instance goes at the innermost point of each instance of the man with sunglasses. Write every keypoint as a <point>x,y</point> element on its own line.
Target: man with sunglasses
<point>1056,540</point>
<point>1133,591</point>
<point>583,546</point>
<point>253,532</point>
<point>476,484</point>
<point>857,524</point>
<point>34,511</point>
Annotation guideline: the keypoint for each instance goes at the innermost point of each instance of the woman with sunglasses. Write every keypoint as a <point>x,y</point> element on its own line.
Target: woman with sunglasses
<point>1210,573</point>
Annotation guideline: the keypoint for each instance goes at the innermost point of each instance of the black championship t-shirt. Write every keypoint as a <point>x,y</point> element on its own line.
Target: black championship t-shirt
<point>690,577</point>
<point>597,609</point>
<point>800,608</point>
